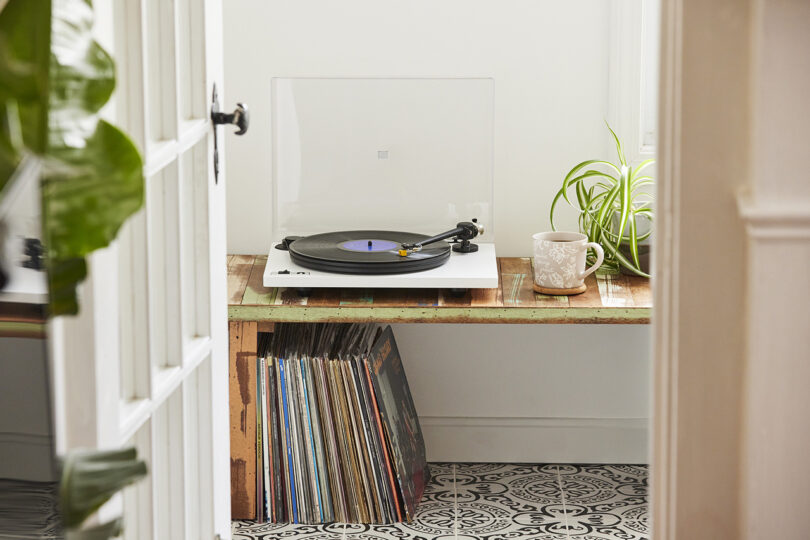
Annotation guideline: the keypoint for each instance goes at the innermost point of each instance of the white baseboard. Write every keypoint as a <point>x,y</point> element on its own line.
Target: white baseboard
<point>536,440</point>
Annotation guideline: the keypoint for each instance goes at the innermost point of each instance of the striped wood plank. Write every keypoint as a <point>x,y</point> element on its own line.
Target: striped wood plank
<point>590,297</point>
<point>239,267</point>
<point>640,290</point>
<point>516,282</point>
<point>614,290</point>
<point>255,292</point>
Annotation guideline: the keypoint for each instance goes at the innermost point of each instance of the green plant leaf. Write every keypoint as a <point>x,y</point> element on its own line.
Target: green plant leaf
<point>608,204</point>
<point>553,205</point>
<point>91,477</point>
<point>54,79</point>
<point>643,165</point>
<point>619,150</point>
<point>93,178</point>
<point>641,183</point>
<point>25,29</point>
<point>569,178</point>
<point>89,192</point>
<point>622,260</point>
<point>606,207</point>
<point>633,242</point>
<point>625,207</point>
<point>105,531</point>
<point>582,196</point>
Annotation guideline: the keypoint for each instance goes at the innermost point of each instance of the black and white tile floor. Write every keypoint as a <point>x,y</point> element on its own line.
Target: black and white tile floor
<point>489,501</point>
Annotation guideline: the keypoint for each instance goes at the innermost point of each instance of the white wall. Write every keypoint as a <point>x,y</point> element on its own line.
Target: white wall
<point>526,393</point>
<point>550,63</point>
<point>549,60</point>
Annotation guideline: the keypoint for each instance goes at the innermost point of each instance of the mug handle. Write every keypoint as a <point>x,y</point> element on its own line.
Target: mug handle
<point>600,257</point>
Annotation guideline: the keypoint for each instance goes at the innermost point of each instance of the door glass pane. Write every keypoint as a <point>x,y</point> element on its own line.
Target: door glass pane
<point>163,240</point>
<point>194,242</point>
<point>167,467</point>
<point>133,322</point>
<point>161,71</point>
<point>191,72</point>
<point>198,462</point>
<point>138,497</point>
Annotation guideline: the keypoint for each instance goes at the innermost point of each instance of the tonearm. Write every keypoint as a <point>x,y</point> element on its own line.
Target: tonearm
<point>462,234</point>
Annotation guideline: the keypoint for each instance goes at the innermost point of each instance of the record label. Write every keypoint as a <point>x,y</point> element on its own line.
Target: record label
<point>366,245</point>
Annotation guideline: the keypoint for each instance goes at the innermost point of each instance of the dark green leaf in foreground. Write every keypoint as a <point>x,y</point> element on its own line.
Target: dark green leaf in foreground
<point>25,27</point>
<point>54,80</point>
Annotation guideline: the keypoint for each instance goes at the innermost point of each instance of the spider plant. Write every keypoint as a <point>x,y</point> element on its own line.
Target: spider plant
<point>610,199</point>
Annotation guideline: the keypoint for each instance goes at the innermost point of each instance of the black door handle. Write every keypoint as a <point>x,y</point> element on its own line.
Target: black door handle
<point>240,117</point>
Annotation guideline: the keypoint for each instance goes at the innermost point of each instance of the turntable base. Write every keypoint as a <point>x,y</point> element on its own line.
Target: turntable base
<point>476,270</point>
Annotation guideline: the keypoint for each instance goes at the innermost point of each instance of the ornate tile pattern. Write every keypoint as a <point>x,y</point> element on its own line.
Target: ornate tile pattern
<point>495,501</point>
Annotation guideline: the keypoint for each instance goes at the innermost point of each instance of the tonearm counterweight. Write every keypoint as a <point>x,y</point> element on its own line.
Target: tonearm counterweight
<point>462,234</point>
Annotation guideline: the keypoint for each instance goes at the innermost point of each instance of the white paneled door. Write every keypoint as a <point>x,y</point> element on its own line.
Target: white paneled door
<point>145,363</point>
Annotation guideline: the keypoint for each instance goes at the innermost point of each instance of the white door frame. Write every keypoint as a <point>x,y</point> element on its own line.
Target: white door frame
<point>136,365</point>
<point>700,271</point>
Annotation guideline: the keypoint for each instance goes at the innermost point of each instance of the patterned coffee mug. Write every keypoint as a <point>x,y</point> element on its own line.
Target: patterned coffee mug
<point>559,262</point>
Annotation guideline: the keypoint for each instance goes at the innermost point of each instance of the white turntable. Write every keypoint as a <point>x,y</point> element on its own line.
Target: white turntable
<point>372,156</point>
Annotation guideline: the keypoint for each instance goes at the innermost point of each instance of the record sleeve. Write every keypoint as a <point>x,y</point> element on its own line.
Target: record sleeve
<point>288,441</point>
<point>366,469</point>
<point>330,449</point>
<point>319,442</point>
<point>398,413</point>
<point>267,492</point>
<point>375,461</point>
<point>299,456</point>
<point>394,492</point>
<point>284,497</point>
<point>260,517</point>
<point>351,467</point>
<point>312,449</point>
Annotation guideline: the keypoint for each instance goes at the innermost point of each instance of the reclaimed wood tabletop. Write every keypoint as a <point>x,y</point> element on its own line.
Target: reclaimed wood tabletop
<point>609,299</point>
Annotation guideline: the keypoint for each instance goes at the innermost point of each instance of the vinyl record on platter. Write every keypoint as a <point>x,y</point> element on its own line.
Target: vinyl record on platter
<point>366,252</point>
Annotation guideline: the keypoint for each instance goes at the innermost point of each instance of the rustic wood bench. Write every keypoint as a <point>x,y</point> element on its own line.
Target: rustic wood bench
<point>610,299</point>
<point>253,308</point>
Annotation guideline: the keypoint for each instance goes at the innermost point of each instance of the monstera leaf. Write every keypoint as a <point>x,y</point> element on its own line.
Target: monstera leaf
<point>92,180</point>
<point>25,28</point>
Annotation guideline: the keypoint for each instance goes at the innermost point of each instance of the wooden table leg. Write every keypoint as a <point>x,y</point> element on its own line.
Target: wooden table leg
<point>242,383</point>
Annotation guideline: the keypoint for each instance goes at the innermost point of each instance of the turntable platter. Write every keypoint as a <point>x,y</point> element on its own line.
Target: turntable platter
<point>366,252</point>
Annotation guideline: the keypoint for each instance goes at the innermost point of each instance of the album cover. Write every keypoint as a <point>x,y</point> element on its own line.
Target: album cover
<point>288,437</point>
<point>398,414</point>
<point>283,508</point>
<point>395,501</point>
<point>266,455</point>
<point>259,446</point>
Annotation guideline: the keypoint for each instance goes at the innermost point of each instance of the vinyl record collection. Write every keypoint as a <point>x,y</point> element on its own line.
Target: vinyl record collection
<point>337,437</point>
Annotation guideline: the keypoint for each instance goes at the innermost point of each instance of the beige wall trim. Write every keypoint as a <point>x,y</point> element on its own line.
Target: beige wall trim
<point>536,439</point>
<point>768,221</point>
<point>775,440</point>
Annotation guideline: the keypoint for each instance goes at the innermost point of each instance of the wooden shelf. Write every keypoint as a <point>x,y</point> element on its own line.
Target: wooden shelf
<point>23,320</point>
<point>610,299</point>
